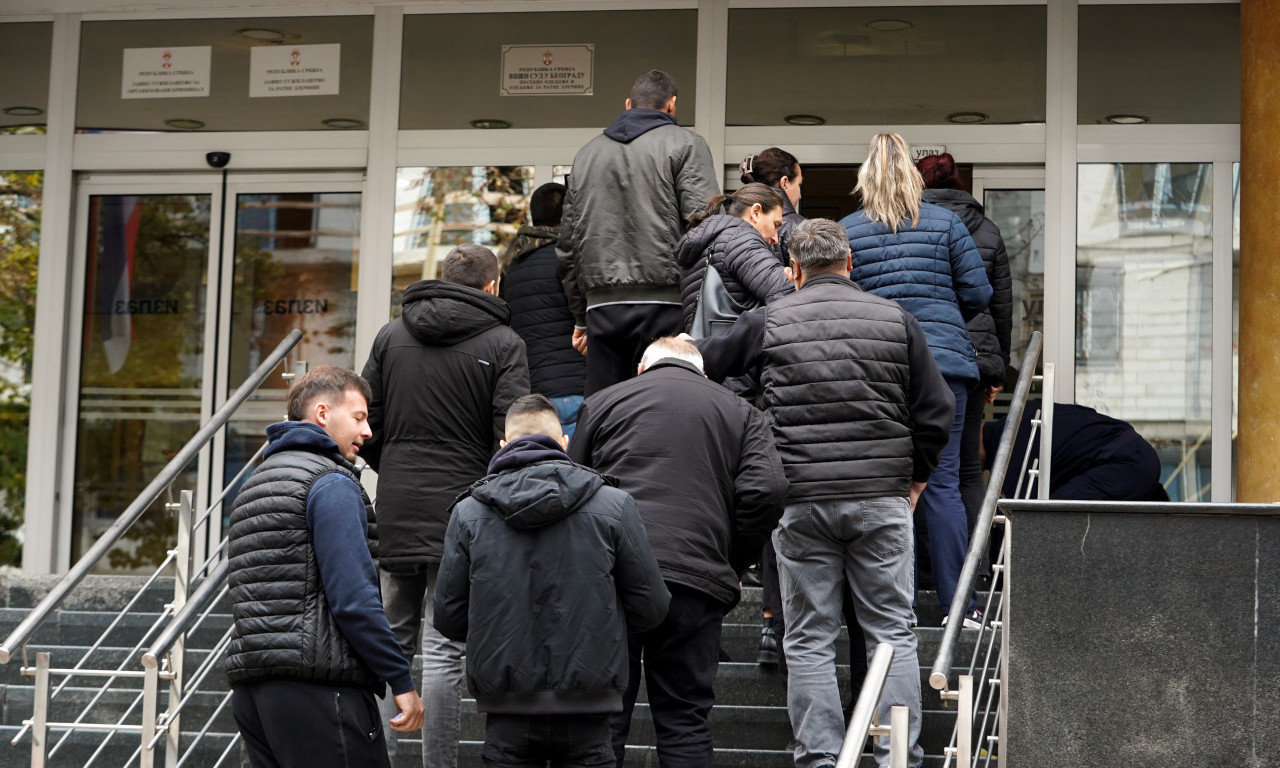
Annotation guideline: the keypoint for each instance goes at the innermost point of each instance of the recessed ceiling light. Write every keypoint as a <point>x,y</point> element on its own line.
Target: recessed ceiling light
<point>23,111</point>
<point>804,120</point>
<point>889,25</point>
<point>1126,119</point>
<point>184,123</point>
<point>261,34</point>
<point>967,117</point>
<point>490,123</point>
<point>342,123</point>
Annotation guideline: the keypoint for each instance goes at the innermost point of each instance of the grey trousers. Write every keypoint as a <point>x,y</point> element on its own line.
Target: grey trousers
<point>821,545</point>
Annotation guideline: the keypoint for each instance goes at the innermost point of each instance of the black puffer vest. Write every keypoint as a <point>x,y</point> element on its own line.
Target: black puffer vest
<point>836,381</point>
<point>283,626</point>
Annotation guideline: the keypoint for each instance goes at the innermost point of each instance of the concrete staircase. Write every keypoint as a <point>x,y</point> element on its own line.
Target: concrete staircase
<point>749,721</point>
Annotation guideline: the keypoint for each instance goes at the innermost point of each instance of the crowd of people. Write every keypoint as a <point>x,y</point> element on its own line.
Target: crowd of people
<point>581,445</point>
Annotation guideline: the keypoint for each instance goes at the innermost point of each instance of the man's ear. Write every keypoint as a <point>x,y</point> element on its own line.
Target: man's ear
<point>564,441</point>
<point>321,414</point>
<point>640,369</point>
<point>491,287</point>
<point>628,103</point>
<point>502,443</point>
<point>670,106</point>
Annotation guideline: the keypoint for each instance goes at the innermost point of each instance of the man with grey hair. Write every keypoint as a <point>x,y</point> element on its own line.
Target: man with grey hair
<point>701,465</point>
<point>860,414</point>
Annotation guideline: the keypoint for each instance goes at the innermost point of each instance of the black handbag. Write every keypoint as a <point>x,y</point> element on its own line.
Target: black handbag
<point>717,310</point>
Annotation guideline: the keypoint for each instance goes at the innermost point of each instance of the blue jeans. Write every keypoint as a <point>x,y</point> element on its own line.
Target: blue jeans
<point>567,409</point>
<point>406,598</point>
<point>942,508</point>
<point>822,545</point>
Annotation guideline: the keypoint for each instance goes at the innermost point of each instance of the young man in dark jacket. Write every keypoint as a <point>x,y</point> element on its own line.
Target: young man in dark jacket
<point>702,467</point>
<point>546,569</point>
<point>860,413</point>
<point>539,313</point>
<point>631,195</point>
<point>442,376</point>
<point>309,629</point>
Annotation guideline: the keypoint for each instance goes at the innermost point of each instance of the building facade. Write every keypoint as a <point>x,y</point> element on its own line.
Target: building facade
<point>362,142</point>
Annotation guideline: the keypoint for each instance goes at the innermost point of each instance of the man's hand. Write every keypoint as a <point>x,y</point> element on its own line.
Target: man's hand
<point>991,394</point>
<point>580,340</point>
<point>411,712</point>
<point>914,495</point>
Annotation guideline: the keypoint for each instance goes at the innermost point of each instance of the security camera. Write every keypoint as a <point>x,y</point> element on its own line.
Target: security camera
<point>217,159</point>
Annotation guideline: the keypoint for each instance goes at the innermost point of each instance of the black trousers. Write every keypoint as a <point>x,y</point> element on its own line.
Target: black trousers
<point>972,487</point>
<point>617,335</point>
<point>681,657</point>
<point>533,741</point>
<point>297,724</point>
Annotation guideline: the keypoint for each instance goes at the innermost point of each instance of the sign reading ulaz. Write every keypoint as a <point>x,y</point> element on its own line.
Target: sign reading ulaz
<point>165,73</point>
<point>547,70</point>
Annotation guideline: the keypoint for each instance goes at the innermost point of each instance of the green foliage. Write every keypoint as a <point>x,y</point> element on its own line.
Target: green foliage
<point>19,260</point>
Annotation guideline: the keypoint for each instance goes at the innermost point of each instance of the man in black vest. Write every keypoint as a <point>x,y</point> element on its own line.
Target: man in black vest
<point>860,414</point>
<point>701,465</point>
<point>311,645</point>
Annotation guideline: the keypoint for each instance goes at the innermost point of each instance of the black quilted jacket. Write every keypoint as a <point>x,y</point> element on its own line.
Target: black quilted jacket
<point>751,272</point>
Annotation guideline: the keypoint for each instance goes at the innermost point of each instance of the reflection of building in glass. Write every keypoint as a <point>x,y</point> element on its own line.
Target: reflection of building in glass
<point>1019,213</point>
<point>1143,308</point>
<point>439,208</point>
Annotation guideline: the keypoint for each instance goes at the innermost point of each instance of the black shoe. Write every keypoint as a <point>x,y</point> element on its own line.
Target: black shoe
<point>770,643</point>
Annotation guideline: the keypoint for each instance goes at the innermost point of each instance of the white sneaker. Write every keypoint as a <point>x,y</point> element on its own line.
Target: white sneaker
<point>972,620</point>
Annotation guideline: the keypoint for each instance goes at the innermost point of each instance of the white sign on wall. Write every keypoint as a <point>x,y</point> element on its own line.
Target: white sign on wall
<point>166,73</point>
<point>294,70</point>
<point>921,151</point>
<point>547,70</point>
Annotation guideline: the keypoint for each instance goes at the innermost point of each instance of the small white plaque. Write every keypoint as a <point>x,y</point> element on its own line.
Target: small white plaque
<point>548,70</point>
<point>921,151</point>
<point>166,73</point>
<point>294,70</point>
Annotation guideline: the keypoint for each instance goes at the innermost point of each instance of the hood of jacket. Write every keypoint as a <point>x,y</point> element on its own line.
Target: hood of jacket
<point>960,203</point>
<point>531,238</point>
<point>536,484</point>
<point>635,122</point>
<point>697,240</point>
<point>303,436</point>
<point>441,314</point>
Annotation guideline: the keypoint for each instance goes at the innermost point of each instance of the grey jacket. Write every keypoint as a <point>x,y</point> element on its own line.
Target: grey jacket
<point>630,196</point>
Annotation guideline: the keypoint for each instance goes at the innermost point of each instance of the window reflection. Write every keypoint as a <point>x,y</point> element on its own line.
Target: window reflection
<point>438,208</point>
<point>1019,213</point>
<point>1144,308</point>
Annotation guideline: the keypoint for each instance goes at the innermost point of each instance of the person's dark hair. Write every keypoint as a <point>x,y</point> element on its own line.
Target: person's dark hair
<point>327,381</point>
<point>653,89</point>
<point>939,171</point>
<point>532,415</point>
<point>471,265</point>
<point>819,245</point>
<point>769,167</point>
<point>546,205</point>
<point>737,202</point>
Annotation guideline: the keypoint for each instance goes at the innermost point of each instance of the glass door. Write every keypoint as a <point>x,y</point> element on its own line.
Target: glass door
<point>178,300</point>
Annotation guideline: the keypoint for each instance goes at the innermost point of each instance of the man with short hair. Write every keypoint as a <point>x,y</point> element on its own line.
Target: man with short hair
<point>310,645</point>
<point>442,376</point>
<point>702,467</point>
<point>539,313</point>
<point>536,552</point>
<point>631,194</point>
<point>860,414</point>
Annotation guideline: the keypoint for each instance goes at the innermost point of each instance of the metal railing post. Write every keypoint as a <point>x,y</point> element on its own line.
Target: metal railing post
<point>150,696</point>
<point>1046,433</point>
<point>899,736</point>
<point>964,723</point>
<point>40,712</point>
<point>183,563</point>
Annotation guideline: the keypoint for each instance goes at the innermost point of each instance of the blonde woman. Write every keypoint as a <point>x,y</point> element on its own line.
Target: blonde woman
<point>921,256</point>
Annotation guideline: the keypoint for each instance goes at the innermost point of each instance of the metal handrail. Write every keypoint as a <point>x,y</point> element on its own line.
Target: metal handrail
<point>865,709</point>
<point>32,622</point>
<point>982,528</point>
<point>209,589</point>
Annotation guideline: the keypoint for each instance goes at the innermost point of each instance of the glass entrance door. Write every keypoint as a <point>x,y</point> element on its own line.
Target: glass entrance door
<point>179,300</point>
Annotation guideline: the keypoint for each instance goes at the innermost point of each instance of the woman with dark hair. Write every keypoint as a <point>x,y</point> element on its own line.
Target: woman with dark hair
<point>779,169</point>
<point>732,235</point>
<point>921,256</point>
<point>990,329</point>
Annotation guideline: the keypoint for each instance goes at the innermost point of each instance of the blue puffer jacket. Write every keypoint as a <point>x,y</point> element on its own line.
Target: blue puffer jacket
<point>933,271</point>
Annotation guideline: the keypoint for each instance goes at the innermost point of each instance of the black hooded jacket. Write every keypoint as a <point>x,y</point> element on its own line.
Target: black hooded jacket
<point>443,375</point>
<point>990,329</point>
<point>749,269</point>
<point>546,570</point>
